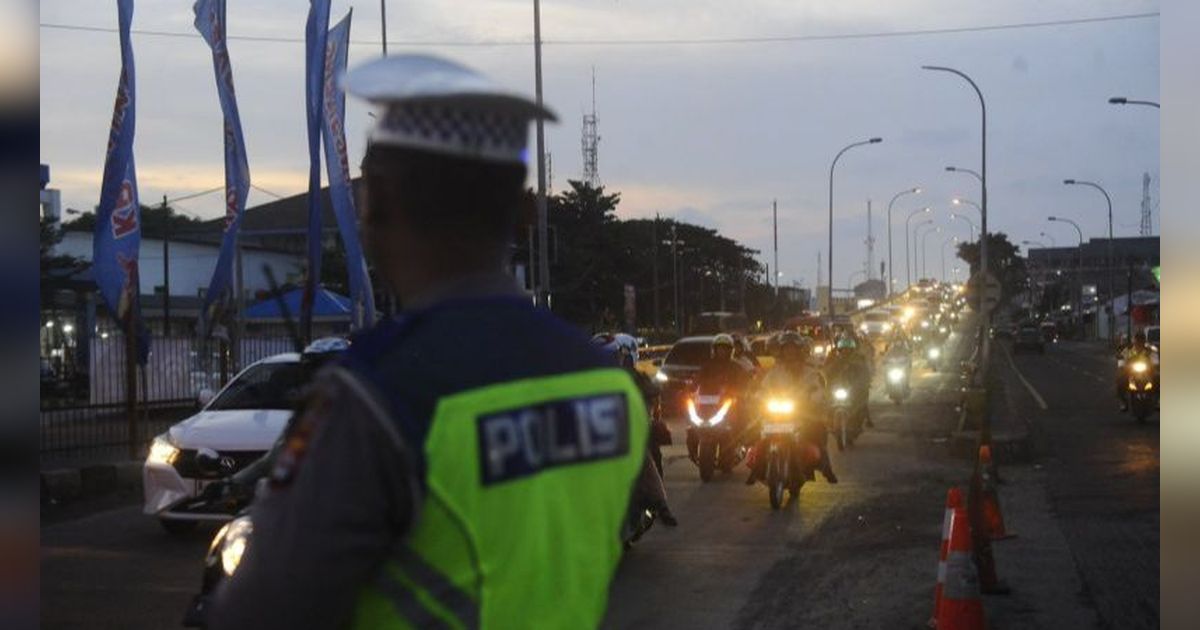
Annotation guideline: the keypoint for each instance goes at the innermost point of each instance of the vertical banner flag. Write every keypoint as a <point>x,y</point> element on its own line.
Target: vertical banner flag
<point>314,67</point>
<point>118,234</point>
<point>210,21</point>
<point>337,166</point>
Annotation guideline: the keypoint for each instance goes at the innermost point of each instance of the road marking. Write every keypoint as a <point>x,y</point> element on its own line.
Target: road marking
<point>1029,386</point>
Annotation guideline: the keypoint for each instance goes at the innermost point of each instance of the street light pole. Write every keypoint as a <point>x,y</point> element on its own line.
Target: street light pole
<point>891,274</point>
<point>832,166</point>
<point>952,239</point>
<point>971,229</point>
<point>543,291</point>
<point>1108,263</point>
<point>907,251</point>
<point>1121,100</point>
<point>985,316</point>
<point>1078,268</point>
<point>915,233</point>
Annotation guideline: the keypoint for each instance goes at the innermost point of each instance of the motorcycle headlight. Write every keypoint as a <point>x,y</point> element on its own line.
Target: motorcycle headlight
<point>943,330</point>
<point>692,415</point>
<point>862,327</point>
<point>887,326</point>
<point>1139,367</point>
<point>162,451</point>
<point>1132,386</point>
<point>781,406</point>
<point>818,349</point>
<point>841,394</point>
<point>896,375</point>
<point>661,377</point>
<point>1149,385</point>
<point>935,353</point>
<point>925,323</point>
<point>717,419</point>
<point>237,536</point>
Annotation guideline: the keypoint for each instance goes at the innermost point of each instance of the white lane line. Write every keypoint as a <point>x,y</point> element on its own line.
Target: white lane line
<point>1029,386</point>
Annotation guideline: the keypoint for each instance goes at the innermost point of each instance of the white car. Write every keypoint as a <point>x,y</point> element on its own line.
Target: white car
<point>234,428</point>
<point>876,323</point>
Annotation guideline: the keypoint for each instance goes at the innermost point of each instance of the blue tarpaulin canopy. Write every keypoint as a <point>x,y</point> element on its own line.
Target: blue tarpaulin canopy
<point>325,304</point>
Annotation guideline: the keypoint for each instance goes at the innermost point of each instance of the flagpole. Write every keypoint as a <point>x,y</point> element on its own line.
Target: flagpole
<point>383,24</point>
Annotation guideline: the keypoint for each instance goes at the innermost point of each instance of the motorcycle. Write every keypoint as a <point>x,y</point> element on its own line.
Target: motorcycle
<point>897,372</point>
<point>933,357</point>
<point>228,545</point>
<point>847,415</point>
<point>711,441</point>
<point>790,460</point>
<point>1142,385</point>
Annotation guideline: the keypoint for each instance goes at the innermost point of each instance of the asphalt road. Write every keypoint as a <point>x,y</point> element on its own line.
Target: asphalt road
<point>859,554</point>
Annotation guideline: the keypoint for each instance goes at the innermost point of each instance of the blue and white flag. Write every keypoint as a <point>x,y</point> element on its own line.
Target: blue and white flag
<point>118,234</point>
<point>337,166</point>
<point>314,68</point>
<point>210,21</point>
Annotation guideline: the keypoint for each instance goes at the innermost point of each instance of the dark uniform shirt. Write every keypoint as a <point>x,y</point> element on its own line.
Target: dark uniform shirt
<point>348,483</point>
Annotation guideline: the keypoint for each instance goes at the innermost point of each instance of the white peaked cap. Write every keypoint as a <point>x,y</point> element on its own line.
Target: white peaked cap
<point>435,104</point>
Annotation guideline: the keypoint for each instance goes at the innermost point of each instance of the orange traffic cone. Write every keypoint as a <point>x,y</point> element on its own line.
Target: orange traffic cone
<point>953,500</point>
<point>981,532</point>
<point>961,606</point>
<point>993,518</point>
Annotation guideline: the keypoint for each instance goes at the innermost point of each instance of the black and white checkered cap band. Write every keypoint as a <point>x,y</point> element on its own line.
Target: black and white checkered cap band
<point>484,134</point>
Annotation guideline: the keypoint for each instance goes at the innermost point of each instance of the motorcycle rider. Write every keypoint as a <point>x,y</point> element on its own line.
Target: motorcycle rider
<point>793,355</point>
<point>649,487</point>
<point>1128,354</point>
<point>847,363</point>
<point>722,371</point>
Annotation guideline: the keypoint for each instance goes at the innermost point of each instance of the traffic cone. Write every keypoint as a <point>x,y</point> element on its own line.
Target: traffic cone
<point>981,535</point>
<point>993,517</point>
<point>961,607</point>
<point>953,500</point>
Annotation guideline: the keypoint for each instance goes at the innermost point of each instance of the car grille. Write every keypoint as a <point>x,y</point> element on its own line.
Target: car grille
<point>188,468</point>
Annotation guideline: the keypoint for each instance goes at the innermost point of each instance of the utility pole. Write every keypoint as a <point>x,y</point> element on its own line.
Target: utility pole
<point>383,24</point>
<point>543,284</point>
<point>775,231</point>
<point>870,243</point>
<point>166,268</point>
<point>654,258</point>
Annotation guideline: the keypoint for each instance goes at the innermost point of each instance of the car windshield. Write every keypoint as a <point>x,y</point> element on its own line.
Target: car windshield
<point>263,386</point>
<point>689,353</point>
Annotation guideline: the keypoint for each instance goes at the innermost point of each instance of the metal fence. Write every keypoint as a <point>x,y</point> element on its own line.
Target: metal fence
<point>84,414</point>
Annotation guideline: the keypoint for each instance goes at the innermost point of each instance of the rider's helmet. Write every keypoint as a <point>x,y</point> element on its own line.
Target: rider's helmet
<point>1139,339</point>
<point>722,340</point>
<point>798,346</point>
<point>621,347</point>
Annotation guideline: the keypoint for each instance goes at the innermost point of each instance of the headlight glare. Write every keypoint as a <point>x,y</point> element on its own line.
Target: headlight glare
<point>896,375</point>
<point>934,353</point>
<point>841,394</point>
<point>781,406</point>
<point>162,451</point>
<point>237,536</point>
<point>1139,367</point>
<point>661,377</point>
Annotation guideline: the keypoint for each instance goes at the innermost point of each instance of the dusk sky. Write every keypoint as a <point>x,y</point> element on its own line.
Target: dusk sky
<point>703,132</point>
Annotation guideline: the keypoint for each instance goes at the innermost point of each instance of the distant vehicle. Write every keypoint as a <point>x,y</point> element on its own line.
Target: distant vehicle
<point>1002,331</point>
<point>1029,337</point>
<point>876,323</point>
<point>1153,337</point>
<point>676,375</point>
<point>1049,332</point>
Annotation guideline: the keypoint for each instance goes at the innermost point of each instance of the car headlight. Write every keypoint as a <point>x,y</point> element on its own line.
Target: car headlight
<point>862,327</point>
<point>934,353</point>
<point>237,537</point>
<point>162,451</point>
<point>841,394</point>
<point>1139,367</point>
<point>661,376</point>
<point>896,375</point>
<point>781,406</point>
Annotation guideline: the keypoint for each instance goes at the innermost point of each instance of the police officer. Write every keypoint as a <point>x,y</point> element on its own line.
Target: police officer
<point>469,463</point>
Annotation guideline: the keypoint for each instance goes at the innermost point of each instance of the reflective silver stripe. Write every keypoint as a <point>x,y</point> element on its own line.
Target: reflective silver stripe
<point>452,598</point>
<point>941,572</point>
<point>407,604</point>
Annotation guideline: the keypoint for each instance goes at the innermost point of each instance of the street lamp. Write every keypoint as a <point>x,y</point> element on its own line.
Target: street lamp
<point>891,275</point>
<point>1121,100</point>
<point>1109,262</point>
<point>957,169</point>
<point>971,229</point>
<point>985,318</point>
<point>907,251</point>
<point>924,246</point>
<point>958,201</point>
<point>1078,269</point>
<point>952,239</point>
<point>916,234</point>
<point>831,167</point>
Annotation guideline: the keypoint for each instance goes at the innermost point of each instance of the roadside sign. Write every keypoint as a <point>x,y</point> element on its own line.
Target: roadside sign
<point>987,286</point>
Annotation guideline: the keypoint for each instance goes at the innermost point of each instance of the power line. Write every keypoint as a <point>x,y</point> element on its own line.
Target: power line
<point>647,42</point>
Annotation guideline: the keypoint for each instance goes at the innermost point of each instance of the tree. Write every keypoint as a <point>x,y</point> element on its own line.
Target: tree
<point>56,269</point>
<point>1004,261</point>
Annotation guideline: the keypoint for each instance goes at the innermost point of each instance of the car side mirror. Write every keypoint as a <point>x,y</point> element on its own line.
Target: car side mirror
<point>205,396</point>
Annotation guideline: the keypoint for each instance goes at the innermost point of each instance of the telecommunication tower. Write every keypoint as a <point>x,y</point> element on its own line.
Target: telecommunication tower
<point>1147,227</point>
<point>591,142</point>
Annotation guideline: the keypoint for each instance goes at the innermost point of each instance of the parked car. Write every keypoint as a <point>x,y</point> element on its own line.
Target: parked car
<point>1049,332</point>
<point>1029,337</point>
<point>233,429</point>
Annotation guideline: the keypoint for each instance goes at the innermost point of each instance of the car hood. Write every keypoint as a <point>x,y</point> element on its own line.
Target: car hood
<point>234,430</point>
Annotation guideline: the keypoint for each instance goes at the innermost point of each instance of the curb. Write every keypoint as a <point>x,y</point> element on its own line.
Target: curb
<point>64,485</point>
